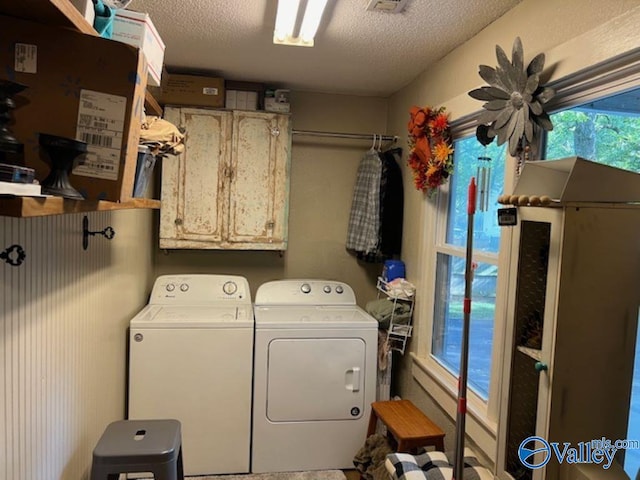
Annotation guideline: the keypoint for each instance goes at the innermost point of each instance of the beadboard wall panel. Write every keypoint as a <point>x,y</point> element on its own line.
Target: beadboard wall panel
<point>64,315</point>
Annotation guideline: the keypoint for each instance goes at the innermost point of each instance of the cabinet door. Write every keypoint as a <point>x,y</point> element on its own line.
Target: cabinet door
<point>259,185</point>
<point>194,185</point>
<point>529,372</point>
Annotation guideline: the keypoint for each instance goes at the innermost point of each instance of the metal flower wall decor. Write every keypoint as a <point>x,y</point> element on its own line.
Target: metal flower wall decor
<point>514,101</point>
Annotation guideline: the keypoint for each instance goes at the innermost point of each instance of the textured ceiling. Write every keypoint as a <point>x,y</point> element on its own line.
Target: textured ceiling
<point>356,51</point>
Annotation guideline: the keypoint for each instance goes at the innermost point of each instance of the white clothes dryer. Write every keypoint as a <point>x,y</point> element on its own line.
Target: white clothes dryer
<point>314,376</point>
<point>191,359</point>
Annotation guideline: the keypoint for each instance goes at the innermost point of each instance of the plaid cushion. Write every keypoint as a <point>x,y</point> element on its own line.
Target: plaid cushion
<point>433,466</point>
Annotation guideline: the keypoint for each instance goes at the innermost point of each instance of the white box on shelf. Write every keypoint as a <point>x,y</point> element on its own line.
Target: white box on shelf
<point>20,189</point>
<point>241,100</point>
<point>272,105</point>
<point>138,30</point>
<point>231,99</point>
<point>252,100</point>
<point>86,8</point>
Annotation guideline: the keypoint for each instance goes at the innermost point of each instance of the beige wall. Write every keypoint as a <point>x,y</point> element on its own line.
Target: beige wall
<point>63,319</point>
<point>573,38</point>
<point>323,172</point>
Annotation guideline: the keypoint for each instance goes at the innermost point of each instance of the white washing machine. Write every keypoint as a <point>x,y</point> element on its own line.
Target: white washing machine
<point>314,376</point>
<point>191,358</point>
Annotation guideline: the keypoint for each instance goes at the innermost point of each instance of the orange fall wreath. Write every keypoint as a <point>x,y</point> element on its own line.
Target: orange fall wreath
<point>431,156</point>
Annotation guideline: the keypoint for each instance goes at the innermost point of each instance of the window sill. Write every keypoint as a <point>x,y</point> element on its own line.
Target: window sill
<point>442,387</point>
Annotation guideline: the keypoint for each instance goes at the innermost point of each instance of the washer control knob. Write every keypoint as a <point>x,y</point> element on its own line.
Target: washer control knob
<point>170,287</point>
<point>184,287</point>
<point>339,289</point>
<point>230,287</point>
<point>305,288</point>
<point>326,289</point>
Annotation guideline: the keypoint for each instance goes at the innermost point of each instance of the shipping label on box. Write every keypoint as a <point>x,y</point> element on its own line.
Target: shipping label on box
<point>26,58</point>
<point>101,126</point>
<point>138,30</point>
<point>71,72</point>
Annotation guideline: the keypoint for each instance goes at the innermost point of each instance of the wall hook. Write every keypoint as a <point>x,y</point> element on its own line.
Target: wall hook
<point>107,233</point>
<point>13,255</point>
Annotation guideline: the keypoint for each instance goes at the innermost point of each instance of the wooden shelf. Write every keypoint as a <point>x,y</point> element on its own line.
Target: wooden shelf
<point>62,13</point>
<point>151,104</point>
<point>533,353</point>
<point>25,207</point>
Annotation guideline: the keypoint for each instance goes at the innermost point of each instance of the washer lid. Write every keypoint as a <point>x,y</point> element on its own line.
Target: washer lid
<point>153,316</point>
<point>317,317</point>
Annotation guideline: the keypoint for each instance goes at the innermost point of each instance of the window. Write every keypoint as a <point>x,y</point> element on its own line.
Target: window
<point>606,131</point>
<point>599,134</point>
<point>471,160</point>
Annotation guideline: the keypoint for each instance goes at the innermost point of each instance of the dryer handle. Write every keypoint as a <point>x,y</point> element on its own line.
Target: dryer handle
<point>352,378</point>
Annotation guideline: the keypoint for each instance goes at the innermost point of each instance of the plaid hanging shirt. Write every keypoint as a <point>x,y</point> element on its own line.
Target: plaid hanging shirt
<point>364,220</point>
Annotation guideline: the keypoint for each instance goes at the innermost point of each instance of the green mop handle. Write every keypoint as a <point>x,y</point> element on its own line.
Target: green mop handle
<point>458,468</point>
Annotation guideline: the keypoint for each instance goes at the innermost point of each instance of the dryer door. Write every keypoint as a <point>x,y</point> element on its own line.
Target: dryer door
<point>315,379</point>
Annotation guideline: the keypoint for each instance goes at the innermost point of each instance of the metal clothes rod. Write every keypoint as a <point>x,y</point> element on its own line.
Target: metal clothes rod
<point>363,136</point>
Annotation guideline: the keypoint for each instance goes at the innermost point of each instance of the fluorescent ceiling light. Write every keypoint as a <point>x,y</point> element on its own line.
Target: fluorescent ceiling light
<point>286,22</point>
<point>311,21</point>
<point>285,19</point>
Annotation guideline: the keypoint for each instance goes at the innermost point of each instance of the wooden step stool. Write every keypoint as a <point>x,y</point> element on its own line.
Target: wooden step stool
<point>407,425</point>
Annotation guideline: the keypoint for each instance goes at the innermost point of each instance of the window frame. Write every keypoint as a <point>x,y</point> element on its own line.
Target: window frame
<point>482,415</point>
<point>441,246</point>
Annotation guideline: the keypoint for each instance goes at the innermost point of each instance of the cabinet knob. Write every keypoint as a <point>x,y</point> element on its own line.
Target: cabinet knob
<point>178,221</point>
<point>275,131</point>
<point>540,367</point>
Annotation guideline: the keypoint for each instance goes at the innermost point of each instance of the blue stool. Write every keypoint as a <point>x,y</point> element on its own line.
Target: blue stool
<point>130,446</point>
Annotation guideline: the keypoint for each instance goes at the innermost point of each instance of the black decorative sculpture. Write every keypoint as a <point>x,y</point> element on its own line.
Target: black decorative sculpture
<point>64,154</point>
<point>9,145</point>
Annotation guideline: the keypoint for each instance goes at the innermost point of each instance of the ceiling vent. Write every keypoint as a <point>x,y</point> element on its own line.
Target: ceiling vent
<point>387,6</point>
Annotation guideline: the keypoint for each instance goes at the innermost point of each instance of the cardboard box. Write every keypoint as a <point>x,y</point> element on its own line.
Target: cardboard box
<point>241,100</point>
<point>277,101</point>
<point>252,87</point>
<point>78,86</point>
<point>271,104</point>
<point>194,90</point>
<point>138,30</point>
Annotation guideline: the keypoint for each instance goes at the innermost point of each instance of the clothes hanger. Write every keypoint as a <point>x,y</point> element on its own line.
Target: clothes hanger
<point>373,145</point>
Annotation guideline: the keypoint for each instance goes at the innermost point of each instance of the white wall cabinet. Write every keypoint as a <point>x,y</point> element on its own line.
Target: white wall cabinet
<point>573,308</point>
<point>230,187</point>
